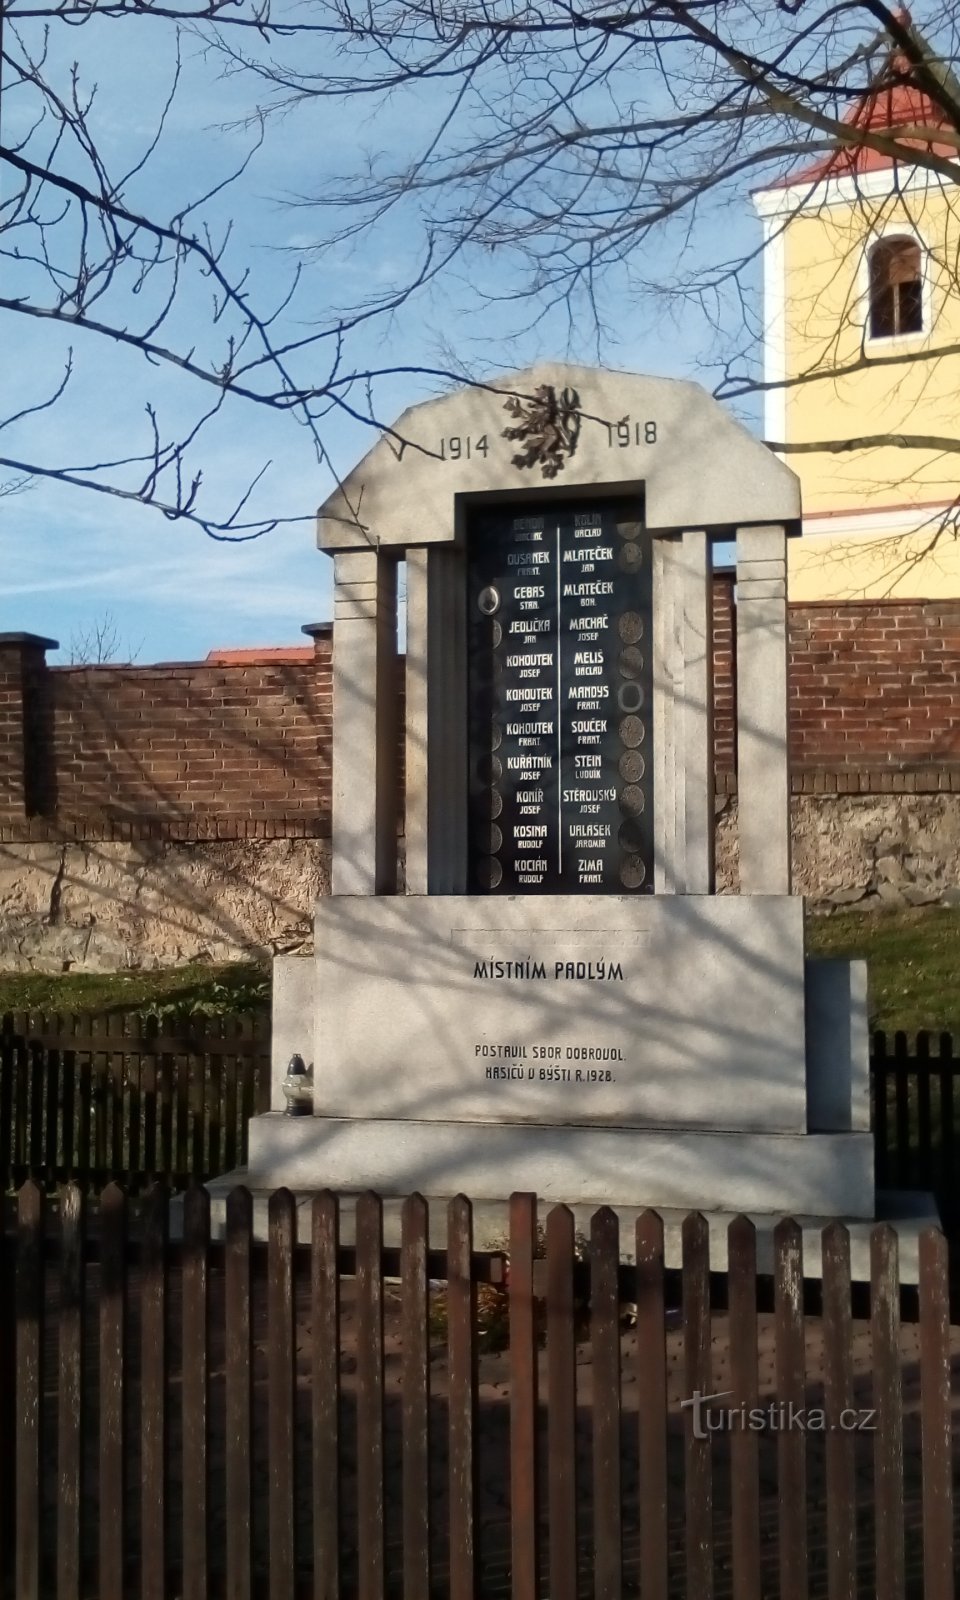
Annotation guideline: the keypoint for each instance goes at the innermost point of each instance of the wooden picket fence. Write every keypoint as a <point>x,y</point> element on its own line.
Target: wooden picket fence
<point>90,1099</point>
<point>199,1417</point>
<point>916,1107</point>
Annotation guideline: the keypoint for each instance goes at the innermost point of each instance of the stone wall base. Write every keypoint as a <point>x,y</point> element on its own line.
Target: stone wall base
<point>863,851</point>
<point>96,907</point>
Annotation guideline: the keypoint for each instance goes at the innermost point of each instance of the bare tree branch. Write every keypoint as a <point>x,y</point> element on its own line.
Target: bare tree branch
<point>580,148</point>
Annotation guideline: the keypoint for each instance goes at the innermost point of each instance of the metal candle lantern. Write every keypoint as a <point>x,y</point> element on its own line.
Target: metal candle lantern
<point>298,1088</point>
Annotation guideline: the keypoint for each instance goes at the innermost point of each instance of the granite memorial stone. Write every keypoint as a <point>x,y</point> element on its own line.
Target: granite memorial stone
<point>559,1000</point>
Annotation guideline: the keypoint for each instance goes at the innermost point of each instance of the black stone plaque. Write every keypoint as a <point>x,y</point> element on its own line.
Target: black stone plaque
<point>560,702</point>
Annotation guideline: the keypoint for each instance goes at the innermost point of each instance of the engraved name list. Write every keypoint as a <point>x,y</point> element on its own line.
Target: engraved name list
<point>560,700</point>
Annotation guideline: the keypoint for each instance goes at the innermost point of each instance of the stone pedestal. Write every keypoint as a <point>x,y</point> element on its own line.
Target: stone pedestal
<point>673,1051</point>
<point>658,1167</point>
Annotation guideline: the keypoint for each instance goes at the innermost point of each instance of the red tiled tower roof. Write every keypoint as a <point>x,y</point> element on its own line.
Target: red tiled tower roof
<point>892,103</point>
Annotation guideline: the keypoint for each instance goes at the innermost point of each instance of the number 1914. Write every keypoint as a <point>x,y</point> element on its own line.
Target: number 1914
<point>460,447</point>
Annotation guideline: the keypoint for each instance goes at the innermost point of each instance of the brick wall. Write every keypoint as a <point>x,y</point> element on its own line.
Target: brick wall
<point>875,695</point>
<point>195,750</point>
<point>724,683</point>
<point>239,747</point>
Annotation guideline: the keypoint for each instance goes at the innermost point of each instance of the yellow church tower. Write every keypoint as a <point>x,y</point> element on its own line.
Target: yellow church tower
<point>862,345</point>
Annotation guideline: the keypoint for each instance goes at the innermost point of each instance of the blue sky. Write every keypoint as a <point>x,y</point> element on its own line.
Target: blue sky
<point>68,558</point>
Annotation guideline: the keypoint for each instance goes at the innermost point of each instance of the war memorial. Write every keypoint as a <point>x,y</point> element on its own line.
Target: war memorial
<point>557,1000</point>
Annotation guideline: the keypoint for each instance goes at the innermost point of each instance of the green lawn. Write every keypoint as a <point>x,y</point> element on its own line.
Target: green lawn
<point>914,961</point>
<point>212,990</point>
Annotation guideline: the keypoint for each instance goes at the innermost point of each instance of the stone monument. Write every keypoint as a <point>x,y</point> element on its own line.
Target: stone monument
<point>559,1001</point>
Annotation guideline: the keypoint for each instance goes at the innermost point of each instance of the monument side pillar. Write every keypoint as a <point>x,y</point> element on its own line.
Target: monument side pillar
<point>682,714</point>
<point>763,772</point>
<point>364,724</point>
<point>697,714</point>
<point>435,750</point>
<point>669,772</point>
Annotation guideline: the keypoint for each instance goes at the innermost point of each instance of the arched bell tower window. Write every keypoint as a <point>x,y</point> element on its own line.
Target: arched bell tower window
<point>896,288</point>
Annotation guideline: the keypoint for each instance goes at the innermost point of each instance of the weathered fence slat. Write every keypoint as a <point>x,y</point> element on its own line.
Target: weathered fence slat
<point>181,1110</point>
<point>371,1538</point>
<point>69,1128</point>
<point>791,1388</point>
<point>605,1340</point>
<point>248,1101</point>
<point>231,1148</point>
<point>37,1086</point>
<point>196,1073</point>
<point>29,1388</point>
<point>112,1495</point>
<point>52,1113</point>
<point>841,1484</point>
<point>133,1165</point>
<point>901,1055</point>
<point>938,1564</point>
<point>325,1324</point>
<point>8,1054</point>
<point>414,1316</point>
<point>697,1380</point>
<point>117,1086</point>
<point>100,1062</point>
<point>213,1100</point>
<point>153,1396</point>
<point>949,1174</point>
<point>165,1072</point>
<point>21,1113</point>
<point>281,1381</point>
<point>238,1379</point>
<point>744,1442</point>
<point>86,1108</point>
<point>150,1091</point>
<point>193,1387</point>
<point>250,1032</point>
<point>652,1406</point>
<point>524,1500</point>
<point>462,1355</point>
<point>880,1085</point>
<point>70,1393</point>
<point>923,1154</point>
<point>561,1405</point>
<point>888,1401</point>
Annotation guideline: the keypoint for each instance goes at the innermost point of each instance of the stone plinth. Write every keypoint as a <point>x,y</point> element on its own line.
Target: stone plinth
<point>591,1009</point>
<point>829,1174</point>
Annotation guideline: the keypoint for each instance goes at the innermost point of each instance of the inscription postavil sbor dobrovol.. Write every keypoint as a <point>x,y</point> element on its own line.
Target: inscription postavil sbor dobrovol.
<point>559,675</point>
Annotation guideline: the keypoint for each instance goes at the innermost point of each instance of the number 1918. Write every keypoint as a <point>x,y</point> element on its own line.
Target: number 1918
<point>625,433</point>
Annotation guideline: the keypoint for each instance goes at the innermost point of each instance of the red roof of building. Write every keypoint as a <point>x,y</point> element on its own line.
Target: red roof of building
<point>265,655</point>
<point>893,103</point>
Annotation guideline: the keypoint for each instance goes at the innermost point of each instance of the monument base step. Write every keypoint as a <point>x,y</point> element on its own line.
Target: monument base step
<point>816,1174</point>
<point>907,1212</point>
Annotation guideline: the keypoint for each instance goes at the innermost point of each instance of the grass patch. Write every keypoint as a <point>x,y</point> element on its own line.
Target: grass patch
<point>914,958</point>
<point>234,989</point>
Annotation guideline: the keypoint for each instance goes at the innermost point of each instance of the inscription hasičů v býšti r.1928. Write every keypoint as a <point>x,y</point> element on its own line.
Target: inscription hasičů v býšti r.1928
<point>560,700</point>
